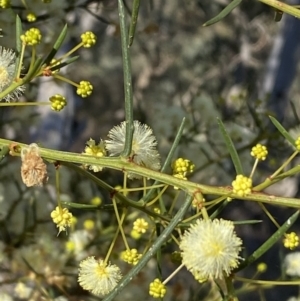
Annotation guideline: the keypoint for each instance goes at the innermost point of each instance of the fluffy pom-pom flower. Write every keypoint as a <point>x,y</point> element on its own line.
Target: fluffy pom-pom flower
<point>144,143</point>
<point>211,248</point>
<point>97,276</point>
<point>292,264</point>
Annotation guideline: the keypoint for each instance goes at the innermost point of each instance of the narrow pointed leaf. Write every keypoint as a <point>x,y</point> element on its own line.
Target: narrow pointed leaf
<point>79,206</point>
<point>18,44</point>
<point>248,222</point>
<point>231,149</point>
<point>282,130</point>
<point>65,63</point>
<point>56,46</point>
<point>219,209</point>
<point>18,34</point>
<point>270,242</point>
<point>232,5</point>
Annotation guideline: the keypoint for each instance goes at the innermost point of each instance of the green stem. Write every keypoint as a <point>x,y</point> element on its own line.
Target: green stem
<point>113,241</point>
<point>11,88</point>
<point>282,7</point>
<point>231,295</point>
<point>134,17</point>
<point>161,192</point>
<point>70,52</point>
<point>124,200</point>
<point>278,171</point>
<point>119,223</point>
<point>20,104</point>
<point>20,61</point>
<point>122,164</point>
<point>253,169</point>
<point>127,82</point>
<point>173,274</point>
<point>266,282</point>
<point>66,80</point>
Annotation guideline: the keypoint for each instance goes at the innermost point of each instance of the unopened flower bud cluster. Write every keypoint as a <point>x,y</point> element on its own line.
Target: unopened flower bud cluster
<point>291,241</point>
<point>5,3</point>
<point>157,289</point>
<point>84,89</point>
<point>183,167</point>
<point>32,37</point>
<point>242,185</point>
<point>259,152</point>
<point>131,256</point>
<point>58,102</point>
<point>140,225</point>
<point>88,39</point>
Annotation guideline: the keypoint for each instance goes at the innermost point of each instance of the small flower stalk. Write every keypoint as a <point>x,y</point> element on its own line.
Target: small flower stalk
<point>33,168</point>
<point>97,276</point>
<point>210,249</point>
<point>261,267</point>
<point>144,152</point>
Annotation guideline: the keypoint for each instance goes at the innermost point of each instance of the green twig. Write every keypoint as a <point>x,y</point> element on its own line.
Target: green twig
<point>127,82</point>
<point>293,11</point>
<point>122,164</point>
<point>134,17</point>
